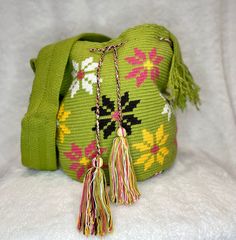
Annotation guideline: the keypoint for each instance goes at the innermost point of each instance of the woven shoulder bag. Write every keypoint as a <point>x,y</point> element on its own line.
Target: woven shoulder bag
<point>102,110</point>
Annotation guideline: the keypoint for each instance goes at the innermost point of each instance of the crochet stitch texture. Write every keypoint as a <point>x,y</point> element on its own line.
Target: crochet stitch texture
<point>58,129</point>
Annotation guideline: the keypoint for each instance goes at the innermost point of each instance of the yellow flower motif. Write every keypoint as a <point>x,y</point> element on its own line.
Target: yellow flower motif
<point>152,148</point>
<point>61,118</point>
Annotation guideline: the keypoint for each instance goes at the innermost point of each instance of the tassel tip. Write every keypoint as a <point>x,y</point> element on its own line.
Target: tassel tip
<point>123,185</point>
<point>95,214</point>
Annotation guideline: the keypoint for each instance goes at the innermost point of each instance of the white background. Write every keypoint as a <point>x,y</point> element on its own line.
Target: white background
<point>193,200</point>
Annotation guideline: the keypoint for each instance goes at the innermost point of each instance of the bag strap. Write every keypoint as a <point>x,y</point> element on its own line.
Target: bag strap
<point>38,127</point>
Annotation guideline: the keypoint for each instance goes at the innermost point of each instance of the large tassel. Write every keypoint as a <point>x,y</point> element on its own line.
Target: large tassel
<point>95,214</point>
<point>123,185</point>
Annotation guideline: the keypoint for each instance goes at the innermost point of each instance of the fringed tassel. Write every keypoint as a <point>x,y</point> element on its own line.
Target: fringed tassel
<point>123,185</point>
<point>95,214</point>
<point>181,86</point>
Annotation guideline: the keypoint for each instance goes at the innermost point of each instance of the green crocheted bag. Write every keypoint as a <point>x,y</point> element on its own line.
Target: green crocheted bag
<point>89,86</point>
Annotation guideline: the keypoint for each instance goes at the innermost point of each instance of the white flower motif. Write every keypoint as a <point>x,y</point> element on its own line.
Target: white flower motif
<point>84,76</point>
<point>167,108</point>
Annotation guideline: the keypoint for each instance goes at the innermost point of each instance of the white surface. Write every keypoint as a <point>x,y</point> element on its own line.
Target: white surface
<point>193,200</point>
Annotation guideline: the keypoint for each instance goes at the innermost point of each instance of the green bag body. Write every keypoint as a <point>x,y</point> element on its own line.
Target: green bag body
<point>154,81</point>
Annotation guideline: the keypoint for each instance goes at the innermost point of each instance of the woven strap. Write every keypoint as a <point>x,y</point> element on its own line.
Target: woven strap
<point>38,132</point>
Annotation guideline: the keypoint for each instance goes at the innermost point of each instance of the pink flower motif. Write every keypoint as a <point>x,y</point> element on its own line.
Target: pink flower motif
<point>82,160</point>
<point>144,66</point>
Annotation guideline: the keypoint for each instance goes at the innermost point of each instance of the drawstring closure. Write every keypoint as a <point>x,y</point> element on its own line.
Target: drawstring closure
<point>123,186</point>
<point>95,214</point>
<point>103,51</point>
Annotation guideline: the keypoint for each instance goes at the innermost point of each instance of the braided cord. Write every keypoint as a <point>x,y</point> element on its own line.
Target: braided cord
<point>103,51</point>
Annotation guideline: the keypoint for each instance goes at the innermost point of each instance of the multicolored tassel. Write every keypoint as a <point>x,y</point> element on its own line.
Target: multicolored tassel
<point>123,184</point>
<point>95,214</point>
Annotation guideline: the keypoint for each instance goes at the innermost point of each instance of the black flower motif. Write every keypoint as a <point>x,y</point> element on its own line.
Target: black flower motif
<point>108,115</point>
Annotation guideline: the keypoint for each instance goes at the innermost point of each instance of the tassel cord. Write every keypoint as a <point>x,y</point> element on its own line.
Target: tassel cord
<point>103,51</point>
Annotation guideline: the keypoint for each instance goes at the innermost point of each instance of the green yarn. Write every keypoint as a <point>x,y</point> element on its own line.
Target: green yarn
<point>181,86</point>
<point>38,126</point>
<point>144,105</point>
<point>57,130</point>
